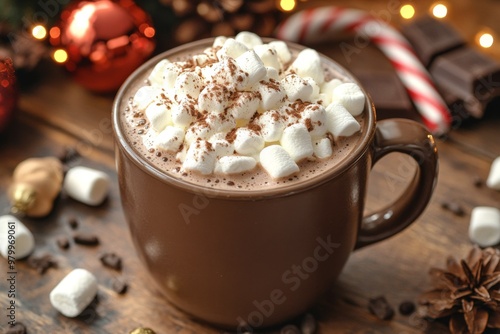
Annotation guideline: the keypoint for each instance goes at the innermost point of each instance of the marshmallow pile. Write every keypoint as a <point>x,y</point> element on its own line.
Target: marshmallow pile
<point>241,103</point>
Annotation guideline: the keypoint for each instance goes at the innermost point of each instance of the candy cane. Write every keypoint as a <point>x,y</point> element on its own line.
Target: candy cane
<point>311,24</point>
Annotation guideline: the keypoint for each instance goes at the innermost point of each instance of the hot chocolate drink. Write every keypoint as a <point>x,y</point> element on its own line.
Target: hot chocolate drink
<point>244,114</point>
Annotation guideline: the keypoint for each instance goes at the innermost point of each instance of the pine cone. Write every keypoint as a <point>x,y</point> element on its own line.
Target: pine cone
<point>467,292</point>
<point>204,18</point>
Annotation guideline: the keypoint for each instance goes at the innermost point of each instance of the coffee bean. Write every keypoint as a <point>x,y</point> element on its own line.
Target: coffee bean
<point>42,263</point>
<point>73,222</point>
<point>62,242</point>
<point>18,328</point>
<point>87,239</point>
<point>380,308</point>
<point>111,260</point>
<point>453,207</point>
<point>309,324</point>
<point>119,286</point>
<point>69,154</point>
<point>290,329</point>
<point>478,182</point>
<point>407,308</point>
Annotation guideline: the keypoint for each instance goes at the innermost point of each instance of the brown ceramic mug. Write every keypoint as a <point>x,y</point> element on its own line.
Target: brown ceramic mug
<point>249,259</point>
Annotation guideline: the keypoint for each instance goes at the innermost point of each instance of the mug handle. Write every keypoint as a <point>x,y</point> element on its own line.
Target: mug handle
<point>409,137</point>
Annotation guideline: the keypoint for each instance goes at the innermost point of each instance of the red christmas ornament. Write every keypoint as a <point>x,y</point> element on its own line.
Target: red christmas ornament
<point>8,92</point>
<point>104,40</point>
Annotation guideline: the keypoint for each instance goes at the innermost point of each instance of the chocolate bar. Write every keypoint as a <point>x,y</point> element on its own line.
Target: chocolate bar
<point>431,38</point>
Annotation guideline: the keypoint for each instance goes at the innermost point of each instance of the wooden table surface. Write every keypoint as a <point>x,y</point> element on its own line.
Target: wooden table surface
<point>55,112</point>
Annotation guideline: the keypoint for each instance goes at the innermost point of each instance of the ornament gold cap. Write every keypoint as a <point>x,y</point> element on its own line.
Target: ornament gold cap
<point>23,197</point>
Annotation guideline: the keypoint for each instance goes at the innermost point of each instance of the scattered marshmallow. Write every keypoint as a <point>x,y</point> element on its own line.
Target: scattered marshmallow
<point>86,185</point>
<point>272,125</point>
<point>248,142</point>
<point>249,39</point>
<point>296,88</point>
<point>16,240</point>
<point>170,139</point>
<point>231,48</point>
<point>145,96</point>
<point>156,76</point>
<point>351,97</point>
<point>74,292</point>
<point>158,115</point>
<point>184,113</point>
<point>187,84</point>
<point>251,63</point>
<point>484,228</point>
<point>308,64</point>
<point>339,121</point>
<point>200,157</point>
<point>322,148</point>
<point>314,118</point>
<point>213,98</point>
<point>245,105</point>
<point>277,162</point>
<point>268,55</point>
<point>272,94</point>
<point>233,164</point>
<point>282,50</point>
<point>219,41</point>
<point>493,180</point>
<point>296,140</point>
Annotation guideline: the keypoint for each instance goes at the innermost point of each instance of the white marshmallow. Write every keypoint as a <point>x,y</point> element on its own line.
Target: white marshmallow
<point>170,74</point>
<point>277,162</point>
<point>145,96</point>
<point>272,94</point>
<point>221,146</point>
<point>248,142</point>
<point>219,41</point>
<point>86,185</point>
<point>245,105</point>
<point>223,122</point>
<point>200,157</point>
<point>493,180</point>
<point>250,63</point>
<point>339,121</point>
<point>16,240</point>
<point>184,113</point>
<point>269,56</point>
<point>314,118</point>
<point>308,64</point>
<point>213,98</point>
<point>231,48</point>
<point>158,115</point>
<point>272,73</point>
<point>187,84</point>
<point>322,148</point>
<point>296,88</point>
<point>74,292</point>
<point>328,86</point>
<point>156,76</point>
<point>199,130</point>
<point>169,139</point>
<point>227,73</point>
<point>322,99</point>
<point>351,97</point>
<point>272,125</point>
<point>233,164</point>
<point>315,87</point>
<point>296,140</point>
<point>249,39</point>
<point>484,228</point>
<point>181,155</point>
<point>201,59</point>
<point>282,50</point>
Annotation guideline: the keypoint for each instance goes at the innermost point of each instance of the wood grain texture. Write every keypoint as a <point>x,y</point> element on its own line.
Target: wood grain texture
<point>59,113</point>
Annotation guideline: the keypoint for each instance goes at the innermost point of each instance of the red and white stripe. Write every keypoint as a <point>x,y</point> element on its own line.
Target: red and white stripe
<point>316,24</point>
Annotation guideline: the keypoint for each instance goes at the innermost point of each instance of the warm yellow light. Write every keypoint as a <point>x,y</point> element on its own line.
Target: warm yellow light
<point>407,12</point>
<point>486,40</point>
<point>439,10</point>
<point>60,56</point>
<point>39,32</point>
<point>287,5</point>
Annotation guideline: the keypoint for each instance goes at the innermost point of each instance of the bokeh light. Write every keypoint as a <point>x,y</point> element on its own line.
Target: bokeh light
<point>439,10</point>
<point>287,5</point>
<point>485,40</point>
<point>407,12</point>
<point>60,56</point>
<point>39,32</point>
